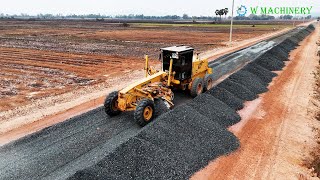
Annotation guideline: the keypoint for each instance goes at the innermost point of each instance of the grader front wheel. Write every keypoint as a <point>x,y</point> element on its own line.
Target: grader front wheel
<point>144,112</point>
<point>110,104</point>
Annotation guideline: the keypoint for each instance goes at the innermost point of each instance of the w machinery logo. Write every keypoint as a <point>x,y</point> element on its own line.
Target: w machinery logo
<point>242,10</point>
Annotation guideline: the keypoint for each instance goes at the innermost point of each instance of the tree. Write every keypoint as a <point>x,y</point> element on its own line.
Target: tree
<point>185,16</point>
<point>221,13</point>
<point>226,10</point>
<point>287,17</point>
<point>217,13</point>
<point>252,16</point>
<point>271,17</point>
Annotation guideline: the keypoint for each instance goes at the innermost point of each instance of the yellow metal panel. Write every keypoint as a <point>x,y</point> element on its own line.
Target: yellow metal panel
<point>147,65</point>
<point>199,66</point>
<point>150,79</point>
<point>170,72</point>
<point>122,103</point>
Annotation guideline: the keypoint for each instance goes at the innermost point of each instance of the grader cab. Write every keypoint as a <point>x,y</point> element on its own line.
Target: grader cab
<point>179,71</point>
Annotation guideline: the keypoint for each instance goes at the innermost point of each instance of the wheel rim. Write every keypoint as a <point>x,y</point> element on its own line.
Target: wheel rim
<point>147,113</point>
<point>210,84</point>
<point>199,88</point>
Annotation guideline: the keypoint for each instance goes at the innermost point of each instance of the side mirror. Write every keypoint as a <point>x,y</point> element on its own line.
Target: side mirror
<point>160,57</point>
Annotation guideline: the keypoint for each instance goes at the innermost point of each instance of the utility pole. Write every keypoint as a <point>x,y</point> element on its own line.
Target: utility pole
<point>294,21</point>
<point>230,39</point>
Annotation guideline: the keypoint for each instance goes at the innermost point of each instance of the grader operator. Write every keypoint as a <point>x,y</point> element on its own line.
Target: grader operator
<point>179,71</point>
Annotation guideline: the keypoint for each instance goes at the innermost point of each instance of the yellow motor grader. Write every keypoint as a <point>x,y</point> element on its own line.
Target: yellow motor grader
<point>179,71</point>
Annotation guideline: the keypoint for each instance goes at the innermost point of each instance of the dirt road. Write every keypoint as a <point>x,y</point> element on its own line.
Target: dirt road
<point>276,131</point>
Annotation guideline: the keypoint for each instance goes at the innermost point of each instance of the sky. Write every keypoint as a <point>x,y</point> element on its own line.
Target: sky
<point>146,7</point>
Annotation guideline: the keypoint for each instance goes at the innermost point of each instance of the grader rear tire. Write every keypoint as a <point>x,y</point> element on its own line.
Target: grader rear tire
<point>208,82</point>
<point>110,104</point>
<point>196,87</point>
<point>144,112</point>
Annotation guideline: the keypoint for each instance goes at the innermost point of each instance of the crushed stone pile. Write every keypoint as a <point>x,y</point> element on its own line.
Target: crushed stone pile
<point>265,75</point>
<point>295,40</point>
<point>279,52</point>
<point>249,80</point>
<point>287,45</point>
<point>238,90</point>
<point>270,62</point>
<point>227,97</point>
<point>215,110</point>
<point>175,146</point>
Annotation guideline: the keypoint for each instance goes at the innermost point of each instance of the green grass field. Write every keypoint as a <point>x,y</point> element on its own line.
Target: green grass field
<point>209,25</point>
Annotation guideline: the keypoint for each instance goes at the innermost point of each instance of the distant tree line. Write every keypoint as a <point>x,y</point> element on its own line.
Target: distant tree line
<point>291,17</point>
<point>255,17</point>
<point>99,17</point>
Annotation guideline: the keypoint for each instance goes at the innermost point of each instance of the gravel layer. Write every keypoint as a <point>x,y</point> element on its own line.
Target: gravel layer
<point>215,110</point>
<point>287,46</point>
<point>295,39</point>
<point>175,146</point>
<point>238,90</point>
<point>227,97</point>
<point>264,74</point>
<point>279,52</point>
<point>249,80</point>
<point>65,147</point>
<point>270,62</point>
